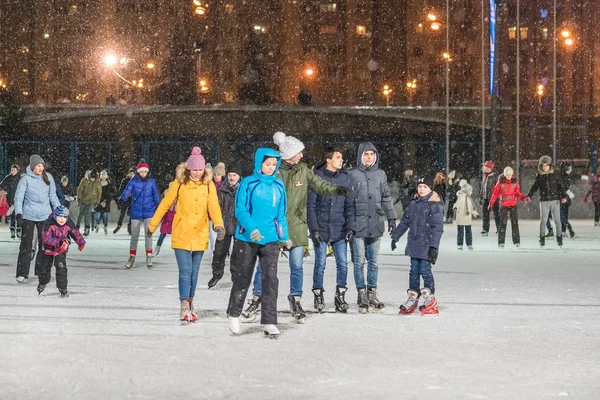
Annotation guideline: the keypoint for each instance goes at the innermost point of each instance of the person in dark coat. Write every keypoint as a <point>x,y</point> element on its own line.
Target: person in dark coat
<point>67,190</point>
<point>9,183</point>
<point>424,221</point>
<point>124,206</point>
<point>103,208</point>
<point>226,193</point>
<point>594,192</point>
<point>409,188</point>
<point>566,172</point>
<point>372,206</point>
<point>489,180</point>
<point>327,223</point>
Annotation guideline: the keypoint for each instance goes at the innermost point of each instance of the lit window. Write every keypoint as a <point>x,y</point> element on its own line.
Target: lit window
<point>229,8</point>
<point>330,7</point>
<point>524,31</point>
<point>512,32</point>
<point>419,28</point>
<point>361,30</point>
<point>545,33</point>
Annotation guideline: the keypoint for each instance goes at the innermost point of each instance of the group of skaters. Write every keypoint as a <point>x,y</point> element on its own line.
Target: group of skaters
<point>275,211</point>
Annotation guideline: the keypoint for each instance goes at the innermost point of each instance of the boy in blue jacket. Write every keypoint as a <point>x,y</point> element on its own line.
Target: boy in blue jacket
<point>260,207</point>
<point>424,219</point>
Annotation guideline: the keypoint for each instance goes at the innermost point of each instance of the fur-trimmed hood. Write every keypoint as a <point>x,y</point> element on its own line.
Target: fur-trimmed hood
<point>180,174</point>
<point>545,160</point>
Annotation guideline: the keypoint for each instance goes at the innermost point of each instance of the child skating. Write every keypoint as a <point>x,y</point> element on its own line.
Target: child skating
<point>508,191</point>
<point>424,221</point>
<point>464,211</point>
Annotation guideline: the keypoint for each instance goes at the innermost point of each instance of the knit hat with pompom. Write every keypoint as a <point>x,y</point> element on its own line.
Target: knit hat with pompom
<point>196,160</point>
<point>288,146</point>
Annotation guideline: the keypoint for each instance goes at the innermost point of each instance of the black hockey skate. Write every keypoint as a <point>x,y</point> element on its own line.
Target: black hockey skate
<point>319,299</point>
<point>40,288</point>
<point>363,303</point>
<point>63,292</point>
<point>296,308</point>
<point>542,241</point>
<point>374,302</point>
<point>250,313</point>
<point>340,299</point>
<point>559,241</point>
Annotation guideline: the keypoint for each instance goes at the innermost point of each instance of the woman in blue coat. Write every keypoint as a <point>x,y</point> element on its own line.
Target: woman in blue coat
<point>260,207</point>
<point>145,199</point>
<point>35,198</point>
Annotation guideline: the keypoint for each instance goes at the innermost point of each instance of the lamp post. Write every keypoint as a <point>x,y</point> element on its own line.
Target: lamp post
<point>387,90</point>
<point>447,86</point>
<point>411,86</point>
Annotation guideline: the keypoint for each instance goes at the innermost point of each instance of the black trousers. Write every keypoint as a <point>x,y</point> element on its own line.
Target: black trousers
<point>564,217</point>
<point>505,212</point>
<point>124,211</point>
<point>486,215</point>
<point>243,263</point>
<point>24,260</point>
<point>60,263</point>
<point>219,255</point>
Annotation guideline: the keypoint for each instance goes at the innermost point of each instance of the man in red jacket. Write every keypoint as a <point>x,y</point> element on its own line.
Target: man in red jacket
<point>508,191</point>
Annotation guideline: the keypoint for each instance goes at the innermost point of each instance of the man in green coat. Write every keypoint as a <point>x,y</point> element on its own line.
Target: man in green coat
<point>88,195</point>
<point>297,178</point>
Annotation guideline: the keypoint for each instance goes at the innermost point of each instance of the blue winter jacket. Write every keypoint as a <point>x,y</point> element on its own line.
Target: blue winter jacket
<point>329,214</point>
<point>424,220</point>
<point>33,198</point>
<point>261,203</point>
<point>144,196</point>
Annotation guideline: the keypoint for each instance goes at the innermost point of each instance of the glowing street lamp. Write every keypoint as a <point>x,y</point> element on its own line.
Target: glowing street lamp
<point>435,26</point>
<point>565,34</point>
<point>387,90</point>
<point>110,60</point>
<point>569,42</point>
<point>411,86</point>
<point>150,65</point>
<point>431,17</point>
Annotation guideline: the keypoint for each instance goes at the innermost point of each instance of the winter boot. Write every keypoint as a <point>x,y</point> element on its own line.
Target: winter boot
<point>253,309</point>
<point>130,262</point>
<point>116,229</point>
<point>149,261</point>
<point>410,305</point>
<point>550,233</point>
<point>192,311</point>
<point>63,292</point>
<point>319,299</point>
<point>459,247</point>
<point>19,231</point>
<point>271,331</point>
<point>571,233</point>
<point>429,304</point>
<point>234,324</point>
<point>542,241</point>
<point>373,300</point>
<point>340,299</point>
<point>184,314</point>
<point>156,251</point>
<point>40,288</point>
<point>213,281</point>
<point>363,304</point>
<point>296,308</point>
<point>12,232</point>
<point>86,232</point>
<point>559,241</point>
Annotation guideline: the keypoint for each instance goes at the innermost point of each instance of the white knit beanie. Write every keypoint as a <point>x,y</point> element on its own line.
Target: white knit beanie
<point>462,183</point>
<point>508,171</point>
<point>288,146</point>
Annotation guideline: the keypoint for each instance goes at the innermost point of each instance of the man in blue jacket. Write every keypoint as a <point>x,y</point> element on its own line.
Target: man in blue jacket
<point>327,223</point>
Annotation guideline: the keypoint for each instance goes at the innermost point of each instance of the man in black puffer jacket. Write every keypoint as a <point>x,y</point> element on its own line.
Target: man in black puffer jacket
<point>9,183</point>
<point>552,193</point>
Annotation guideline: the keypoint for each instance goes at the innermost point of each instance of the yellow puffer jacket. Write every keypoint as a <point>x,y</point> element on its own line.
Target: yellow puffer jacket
<point>197,202</point>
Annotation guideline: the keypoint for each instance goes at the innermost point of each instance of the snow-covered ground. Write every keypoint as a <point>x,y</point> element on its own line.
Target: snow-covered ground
<point>513,324</point>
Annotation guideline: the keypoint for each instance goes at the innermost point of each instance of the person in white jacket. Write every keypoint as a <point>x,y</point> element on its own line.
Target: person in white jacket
<point>464,211</point>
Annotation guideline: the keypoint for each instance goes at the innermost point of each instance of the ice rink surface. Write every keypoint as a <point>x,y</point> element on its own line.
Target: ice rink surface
<point>513,324</point>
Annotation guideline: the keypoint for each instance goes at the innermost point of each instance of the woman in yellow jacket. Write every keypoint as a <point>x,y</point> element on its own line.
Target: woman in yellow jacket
<point>197,203</point>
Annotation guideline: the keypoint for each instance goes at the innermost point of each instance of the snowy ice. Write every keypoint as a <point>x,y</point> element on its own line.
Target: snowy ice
<point>513,324</point>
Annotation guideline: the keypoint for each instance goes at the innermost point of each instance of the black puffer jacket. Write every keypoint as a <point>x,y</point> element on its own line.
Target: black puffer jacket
<point>226,195</point>
<point>550,184</point>
<point>9,183</point>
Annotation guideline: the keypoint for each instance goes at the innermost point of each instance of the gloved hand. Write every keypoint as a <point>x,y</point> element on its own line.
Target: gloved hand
<point>64,246</point>
<point>103,204</point>
<point>394,245</point>
<point>480,202</point>
<point>391,225</point>
<point>433,255</point>
<point>343,191</point>
<point>286,243</point>
<point>527,199</point>
<point>349,235</point>
<point>19,219</point>
<point>585,200</point>
<point>315,236</point>
<point>81,247</point>
<point>220,233</point>
<point>149,232</point>
<point>256,236</point>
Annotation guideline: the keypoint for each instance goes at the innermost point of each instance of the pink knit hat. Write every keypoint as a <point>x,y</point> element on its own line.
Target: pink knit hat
<point>196,160</point>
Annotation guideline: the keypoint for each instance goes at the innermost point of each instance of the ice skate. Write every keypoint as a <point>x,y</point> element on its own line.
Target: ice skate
<point>97,228</point>
<point>484,233</point>
<point>156,251</point>
<point>213,281</point>
<point>517,245</point>
<point>571,233</point>
<point>234,324</point>
<point>470,248</point>
<point>19,231</point>
<point>363,304</point>
<point>296,308</point>
<point>374,302</point>
<point>192,310</point>
<point>22,280</point>
<point>271,331</point>
<point>116,229</point>
<point>319,299</point>
<point>130,263</point>
<point>501,245</point>
<point>86,232</point>
<point>410,305</point>
<point>459,247</point>
<point>340,299</point>
<point>550,233</point>
<point>429,304</point>
<point>149,261</point>
<point>559,241</point>
<point>63,292</point>
<point>40,288</point>
<point>542,241</point>
<point>184,314</point>
<point>13,232</point>
<point>105,230</point>
<point>250,313</point>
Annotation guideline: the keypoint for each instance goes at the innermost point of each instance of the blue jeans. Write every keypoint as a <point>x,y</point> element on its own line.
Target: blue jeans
<point>296,255</point>
<point>420,268</point>
<point>188,263</point>
<point>102,216</point>
<point>340,250</point>
<point>369,248</point>
<point>462,229</point>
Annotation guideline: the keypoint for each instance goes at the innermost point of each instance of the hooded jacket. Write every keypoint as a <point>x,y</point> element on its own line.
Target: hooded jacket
<point>196,203</point>
<point>508,191</point>
<point>329,214</point>
<point>371,197</point>
<point>144,196</point>
<point>463,207</point>
<point>226,195</point>
<point>88,192</point>
<point>54,234</point>
<point>261,203</point>
<point>35,199</point>
<point>550,184</point>
<point>298,179</point>
<point>594,189</point>
<point>424,221</point>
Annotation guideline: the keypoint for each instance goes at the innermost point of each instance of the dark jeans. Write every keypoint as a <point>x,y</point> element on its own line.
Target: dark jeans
<point>242,267</point>
<point>420,268</point>
<point>486,215</point>
<point>505,212</point>
<point>60,263</point>
<point>564,216</point>
<point>24,260</point>
<point>597,211</point>
<point>124,211</point>
<point>13,220</point>
<point>461,233</point>
<point>219,256</point>
<point>450,210</point>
